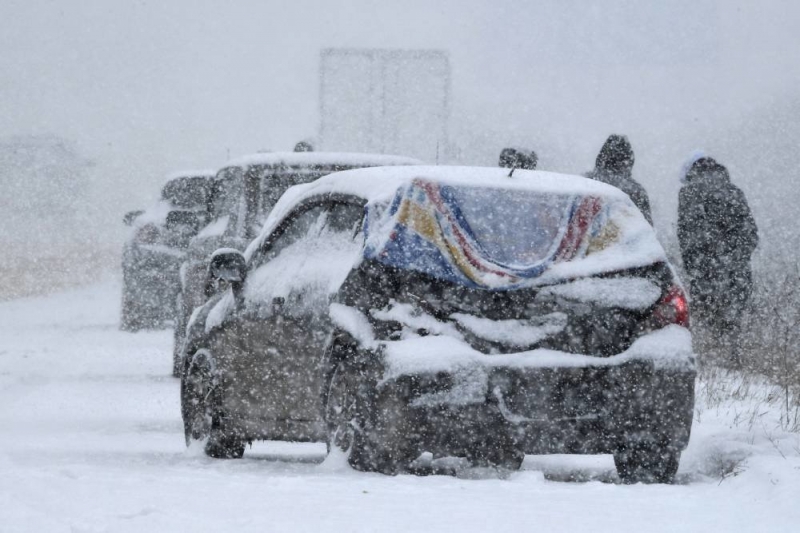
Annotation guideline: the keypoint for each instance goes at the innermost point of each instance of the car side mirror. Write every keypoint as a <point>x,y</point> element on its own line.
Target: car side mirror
<point>130,216</point>
<point>227,265</point>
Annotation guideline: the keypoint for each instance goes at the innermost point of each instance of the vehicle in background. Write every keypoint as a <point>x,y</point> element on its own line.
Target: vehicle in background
<point>450,310</point>
<point>248,188</point>
<point>153,253</point>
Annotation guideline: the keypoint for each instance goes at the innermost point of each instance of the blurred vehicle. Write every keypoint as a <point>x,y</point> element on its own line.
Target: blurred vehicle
<point>247,190</point>
<point>450,310</point>
<point>155,249</point>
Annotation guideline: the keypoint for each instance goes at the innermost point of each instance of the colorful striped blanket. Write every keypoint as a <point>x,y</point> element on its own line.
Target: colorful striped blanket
<point>425,228</point>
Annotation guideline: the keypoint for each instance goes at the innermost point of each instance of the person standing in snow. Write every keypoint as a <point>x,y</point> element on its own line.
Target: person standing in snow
<point>614,166</point>
<point>717,236</point>
<point>303,146</point>
<point>531,160</point>
<point>515,158</point>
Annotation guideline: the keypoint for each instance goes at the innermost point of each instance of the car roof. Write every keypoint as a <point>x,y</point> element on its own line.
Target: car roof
<point>300,159</point>
<point>379,183</point>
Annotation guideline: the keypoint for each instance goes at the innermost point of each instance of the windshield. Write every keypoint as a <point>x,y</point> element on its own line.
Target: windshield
<point>190,192</point>
<point>274,181</point>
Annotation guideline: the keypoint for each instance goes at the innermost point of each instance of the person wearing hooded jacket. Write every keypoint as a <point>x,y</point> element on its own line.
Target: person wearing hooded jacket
<point>614,165</point>
<point>717,236</point>
<point>518,158</point>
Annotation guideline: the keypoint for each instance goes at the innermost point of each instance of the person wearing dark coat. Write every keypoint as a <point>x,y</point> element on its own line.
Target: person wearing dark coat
<point>303,146</point>
<point>717,236</point>
<point>516,158</point>
<point>614,166</point>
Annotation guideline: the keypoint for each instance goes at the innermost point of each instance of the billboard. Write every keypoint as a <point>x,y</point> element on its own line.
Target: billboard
<point>385,101</point>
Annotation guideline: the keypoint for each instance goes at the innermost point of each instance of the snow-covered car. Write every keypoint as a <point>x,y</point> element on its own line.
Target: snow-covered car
<point>248,189</point>
<point>450,310</point>
<point>153,253</point>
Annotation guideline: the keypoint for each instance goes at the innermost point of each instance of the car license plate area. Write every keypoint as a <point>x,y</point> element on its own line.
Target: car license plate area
<point>550,394</point>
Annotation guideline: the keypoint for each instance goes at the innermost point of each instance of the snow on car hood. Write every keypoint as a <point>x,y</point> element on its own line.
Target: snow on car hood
<point>501,238</point>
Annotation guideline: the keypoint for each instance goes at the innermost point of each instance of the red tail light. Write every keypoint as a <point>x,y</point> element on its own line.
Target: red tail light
<point>147,234</point>
<point>673,308</point>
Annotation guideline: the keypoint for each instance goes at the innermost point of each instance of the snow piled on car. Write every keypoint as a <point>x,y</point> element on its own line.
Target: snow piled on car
<point>513,332</point>
<point>669,347</point>
<point>436,220</point>
<point>635,294</point>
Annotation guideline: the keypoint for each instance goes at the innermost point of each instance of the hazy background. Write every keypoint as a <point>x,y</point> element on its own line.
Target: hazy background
<point>139,89</point>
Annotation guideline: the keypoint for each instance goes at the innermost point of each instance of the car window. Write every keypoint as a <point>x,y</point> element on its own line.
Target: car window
<point>276,181</point>
<point>187,192</point>
<point>345,218</point>
<point>228,192</point>
<point>296,227</point>
<point>309,259</point>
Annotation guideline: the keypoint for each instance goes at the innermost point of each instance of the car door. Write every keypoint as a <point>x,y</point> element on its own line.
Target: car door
<point>283,325</point>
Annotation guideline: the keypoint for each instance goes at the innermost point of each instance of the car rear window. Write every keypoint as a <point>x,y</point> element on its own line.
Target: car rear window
<point>502,238</point>
<point>513,228</point>
<point>186,192</point>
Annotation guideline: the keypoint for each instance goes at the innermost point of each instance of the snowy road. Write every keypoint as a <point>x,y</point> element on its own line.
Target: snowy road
<point>91,440</point>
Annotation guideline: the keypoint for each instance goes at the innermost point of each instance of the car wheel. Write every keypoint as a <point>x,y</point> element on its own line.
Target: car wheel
<point>383,436</point>
<point>647,463</point>
<point>177,336</point>
<point>496,450</point>
<point>197,387</point>
<point>340,409</point>
<point>224,446</point>
<point>202,414</point>
<point>131,317</point>
<point>373,427</point>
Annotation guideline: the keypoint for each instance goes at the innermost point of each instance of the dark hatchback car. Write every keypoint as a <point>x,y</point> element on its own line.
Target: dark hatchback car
<point>450,310</point>
<point>248,188</point>
<point>155,249</point>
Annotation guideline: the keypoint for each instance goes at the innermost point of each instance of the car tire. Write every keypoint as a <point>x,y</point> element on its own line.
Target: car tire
<point>371,426</point>
<point>197,386</point>
<point>647,463</point>
<point>340,410</point>
<point>131,318</point>
<point>177,336</point>
<point>496,450</point>
<point>222,446</point>
<point>202,412</point>
<point>383,435</point>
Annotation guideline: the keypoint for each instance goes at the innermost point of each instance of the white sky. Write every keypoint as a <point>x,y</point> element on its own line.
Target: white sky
<point>147,87</point>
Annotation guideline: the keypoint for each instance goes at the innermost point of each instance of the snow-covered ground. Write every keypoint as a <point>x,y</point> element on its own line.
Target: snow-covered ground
<point>91,440</point>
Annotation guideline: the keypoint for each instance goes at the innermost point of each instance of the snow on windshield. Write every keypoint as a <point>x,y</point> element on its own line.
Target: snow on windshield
<point>308,264</point>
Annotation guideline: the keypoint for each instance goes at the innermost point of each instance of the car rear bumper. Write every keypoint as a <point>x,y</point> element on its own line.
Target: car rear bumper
<point>568,411</point>
<point>556,403</point>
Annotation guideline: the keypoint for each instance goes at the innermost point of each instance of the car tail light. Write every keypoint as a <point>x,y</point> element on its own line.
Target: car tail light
<point>673,308</point>
<point>147,234</point>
